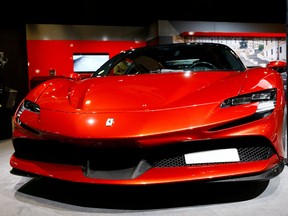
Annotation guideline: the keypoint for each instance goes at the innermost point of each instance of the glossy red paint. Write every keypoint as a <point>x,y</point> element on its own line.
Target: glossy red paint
<point>277,65</point>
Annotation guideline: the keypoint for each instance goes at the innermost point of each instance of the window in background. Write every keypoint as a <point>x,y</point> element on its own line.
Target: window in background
<point>88,62</point>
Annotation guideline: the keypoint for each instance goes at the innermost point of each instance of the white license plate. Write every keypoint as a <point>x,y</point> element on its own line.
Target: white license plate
<point>212,156</point>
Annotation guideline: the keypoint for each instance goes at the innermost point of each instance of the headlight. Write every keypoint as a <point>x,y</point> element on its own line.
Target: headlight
<point>27,105</point>
<point>31,106</point>
<point>266,100</point>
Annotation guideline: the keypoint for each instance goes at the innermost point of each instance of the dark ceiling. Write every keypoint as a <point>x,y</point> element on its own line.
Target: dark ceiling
<point>134,13</point>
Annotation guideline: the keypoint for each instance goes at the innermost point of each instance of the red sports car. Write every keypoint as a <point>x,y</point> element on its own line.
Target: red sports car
<point>153,115</point>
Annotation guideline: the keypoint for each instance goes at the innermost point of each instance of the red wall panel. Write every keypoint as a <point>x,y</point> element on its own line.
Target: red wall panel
<point>44,55</point>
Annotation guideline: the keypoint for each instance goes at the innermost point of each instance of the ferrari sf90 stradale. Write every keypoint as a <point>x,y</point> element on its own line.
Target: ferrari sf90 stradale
<point>153,115</point>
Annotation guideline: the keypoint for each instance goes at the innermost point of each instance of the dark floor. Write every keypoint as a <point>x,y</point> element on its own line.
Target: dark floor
<point>24,196</point>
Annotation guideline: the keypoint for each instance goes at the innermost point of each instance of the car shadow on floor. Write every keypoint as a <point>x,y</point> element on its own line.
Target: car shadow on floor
<point>142,197</point>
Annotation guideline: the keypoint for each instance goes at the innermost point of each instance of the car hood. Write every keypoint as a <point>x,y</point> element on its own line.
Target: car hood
<point>141,105</point>
<point>141,92</point>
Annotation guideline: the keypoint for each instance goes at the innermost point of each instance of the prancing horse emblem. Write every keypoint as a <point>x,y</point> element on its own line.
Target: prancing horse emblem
<point>109,122</point>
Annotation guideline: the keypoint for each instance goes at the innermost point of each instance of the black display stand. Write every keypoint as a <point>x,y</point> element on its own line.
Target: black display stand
<point>5,123</point>
<point>7,100</point>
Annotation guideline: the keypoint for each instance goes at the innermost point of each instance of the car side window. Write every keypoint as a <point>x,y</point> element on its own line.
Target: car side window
<point>128,66</point>
<point>121,67</point>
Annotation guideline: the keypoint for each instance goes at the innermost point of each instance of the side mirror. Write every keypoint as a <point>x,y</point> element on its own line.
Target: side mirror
<point>278,65</point>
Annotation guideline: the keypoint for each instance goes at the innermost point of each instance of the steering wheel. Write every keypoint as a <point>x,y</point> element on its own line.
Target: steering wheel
<point>202,65</point>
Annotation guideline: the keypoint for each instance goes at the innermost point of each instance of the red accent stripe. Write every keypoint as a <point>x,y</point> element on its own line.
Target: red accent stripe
<point>232,34</point>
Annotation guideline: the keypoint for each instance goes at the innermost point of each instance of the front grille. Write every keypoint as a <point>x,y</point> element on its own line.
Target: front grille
<point>172,155</point>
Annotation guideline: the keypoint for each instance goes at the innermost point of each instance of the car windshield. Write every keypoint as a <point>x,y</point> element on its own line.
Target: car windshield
<point>172,58</point>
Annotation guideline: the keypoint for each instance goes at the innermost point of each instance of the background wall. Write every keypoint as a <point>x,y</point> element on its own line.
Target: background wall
<point>52,46</point>
<point>44,55</point>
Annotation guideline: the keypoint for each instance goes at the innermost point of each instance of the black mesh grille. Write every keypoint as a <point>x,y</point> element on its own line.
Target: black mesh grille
<point>171,162</point>
<point>255,153</point>
<point>246,154</point>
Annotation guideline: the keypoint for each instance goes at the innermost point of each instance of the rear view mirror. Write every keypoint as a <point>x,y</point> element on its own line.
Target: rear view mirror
<point>277,65</point>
